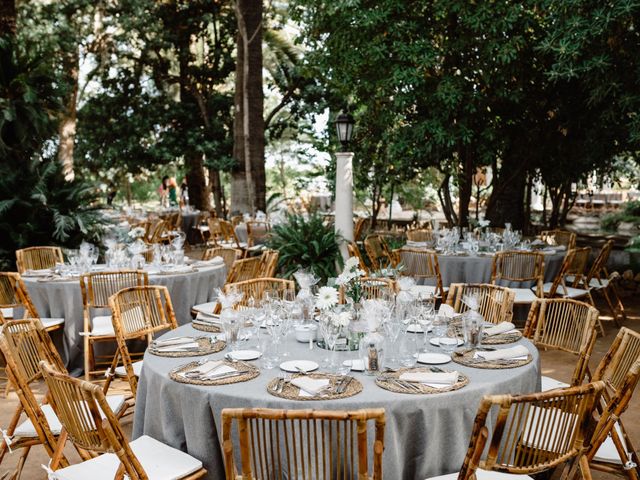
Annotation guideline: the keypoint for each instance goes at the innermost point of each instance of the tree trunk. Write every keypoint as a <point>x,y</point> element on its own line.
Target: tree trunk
<point>506,203</point>
<point>68,120</point>
<point>8,17</point>
<point>249,120</point>
<point>466,186</point>
<point>444,194</point>
<point>218,193</point>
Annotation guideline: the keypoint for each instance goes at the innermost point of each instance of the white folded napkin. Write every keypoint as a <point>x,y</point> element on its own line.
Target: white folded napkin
<point>207,318</point>
<point>173,341</point>
<point>37,273</point>
<point>177,347</point>
<point>446,311</point>
<point>211,261</point>
<point>518,352</point>
<point>431,378</point>
<point>210,368</point>
<point>357,365</point>
<point>502,327</point>
<point>309,387</point>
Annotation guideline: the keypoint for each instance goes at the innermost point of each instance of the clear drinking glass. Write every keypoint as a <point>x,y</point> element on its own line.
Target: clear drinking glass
<point>440,326</point>
<point>407,350</point>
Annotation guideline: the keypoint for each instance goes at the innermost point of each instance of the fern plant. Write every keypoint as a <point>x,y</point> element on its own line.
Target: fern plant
<point>306,243</point>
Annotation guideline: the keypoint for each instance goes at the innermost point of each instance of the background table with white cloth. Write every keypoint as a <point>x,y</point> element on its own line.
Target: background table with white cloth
<point>425,434</point>
<point>63,298</point>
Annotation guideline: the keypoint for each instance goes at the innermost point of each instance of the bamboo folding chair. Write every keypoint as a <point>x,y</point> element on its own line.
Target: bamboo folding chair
<point>611,449</point>
<point>14,295</point>
<point>567,325</point>
<point>420,235</point>
<point>138,312</point>
<point>354,251</point>
<point>38,258</point>
<point>257,232</point>
<point>268,263</point>
<point>227,236</point>
<point>91,425</point>
<point>256,288</point>
<point>373,289</point>
<point>559,238</point>
<point>423,266</point>
<point>236,220</point>
<point>515,266</point>
<point>495,303</point>
<point>244,269</point>
<point>302,444</point>
<point>531,434</point>
<point>228,255</point>
<point>377,251</point>
<point>361,225</point>
<point>24,344</point>
<point>599,280</point>
<point>578,268</point>
<point>96,288</point>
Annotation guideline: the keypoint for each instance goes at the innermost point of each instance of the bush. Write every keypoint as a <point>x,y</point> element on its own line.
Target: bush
<point>306,244</point>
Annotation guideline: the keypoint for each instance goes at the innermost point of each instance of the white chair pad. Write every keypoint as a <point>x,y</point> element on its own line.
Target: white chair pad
<point>485,475</point>
<point>159,461</point>
<point>524,295</point>
<point>102,326</point>
<point>593,283</point>
<point>26,429</point>
<point>607,451</point>
<point>7,313</point>
<point>51,322</point>
<point>205,307</point>
<point>549,383</point>
<point>568,292</point>
<point>137,368</point>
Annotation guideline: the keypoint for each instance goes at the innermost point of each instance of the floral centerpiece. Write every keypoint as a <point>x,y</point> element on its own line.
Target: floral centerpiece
<point>136,233</point>
<point>334,319</point>
<point>350,280</point>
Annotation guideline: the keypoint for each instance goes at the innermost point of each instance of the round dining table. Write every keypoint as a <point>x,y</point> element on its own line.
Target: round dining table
<point>60,297</point>
<point>425,434</point>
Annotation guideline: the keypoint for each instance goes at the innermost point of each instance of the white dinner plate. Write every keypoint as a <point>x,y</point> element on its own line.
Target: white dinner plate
<point>356,365</point>
<point>244,355</point>
<point>294,366</point>
<point>436,342</point>
<point>433,358</point>
<point>415,328</point>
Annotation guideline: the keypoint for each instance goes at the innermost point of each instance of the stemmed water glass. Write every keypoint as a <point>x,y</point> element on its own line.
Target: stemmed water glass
<point>425,318</point>
<point>330,332</point>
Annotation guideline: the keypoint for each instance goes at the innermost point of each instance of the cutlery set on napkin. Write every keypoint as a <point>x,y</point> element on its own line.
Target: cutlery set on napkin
<point>212,370</point>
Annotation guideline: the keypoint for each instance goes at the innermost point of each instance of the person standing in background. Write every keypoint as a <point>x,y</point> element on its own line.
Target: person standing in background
<point>173,192</point>
<point>163,191</point>
<point>184,192</point>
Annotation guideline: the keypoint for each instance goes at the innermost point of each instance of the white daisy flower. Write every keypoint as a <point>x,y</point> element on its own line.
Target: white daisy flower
<point>326,298</point>
<point>351,263</point>
<point>343,319</point>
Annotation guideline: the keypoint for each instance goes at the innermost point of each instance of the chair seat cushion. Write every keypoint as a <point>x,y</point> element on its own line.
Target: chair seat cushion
<point>568,292</point>
<point>51,322</point>
<point>485,475</point>
<point>137,368</point>
<point>26,429</point>
<point>524,295</point>
<point>607,451</point>
<point>159,461</point>
<point>101,326</point>
<point>7,313</point>
<point>549,383</point>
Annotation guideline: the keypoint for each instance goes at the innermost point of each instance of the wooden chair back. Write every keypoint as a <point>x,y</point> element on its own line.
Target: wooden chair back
<point>559,238</point>
<point>517,266</point>
<point>558,285</point>
<point>139,312</point>
<point>159,230</point>
<point>38,258</point>
<point>354,251</point>
<point>257,232</point>
<point>567,325</point>
<point>532,433</point>
<point>13,294</point>
<point>228,233</point>
<point>420,235</point>
<point>236,220</point>
<point>495,303</point>
<point>422,264</point>
<point>377,251</point>
<point>84,412</point>
<point>622,354</point>
<point>360,227</point>
<point>578,268</point>
<point>373,289</point>
<point>599,268</point>
<point>24,343</point>
<point>97,287</point>
<point>302,443</point>
<point>244,269</point>
<point>257,287</point>
<point>268,263</point>
<point>228,255</point>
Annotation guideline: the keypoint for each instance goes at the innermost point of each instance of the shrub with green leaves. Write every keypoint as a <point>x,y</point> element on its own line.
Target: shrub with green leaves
<point>306,243</point>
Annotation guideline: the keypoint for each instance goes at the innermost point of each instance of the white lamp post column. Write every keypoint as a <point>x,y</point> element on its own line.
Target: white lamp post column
<point>344,199</point>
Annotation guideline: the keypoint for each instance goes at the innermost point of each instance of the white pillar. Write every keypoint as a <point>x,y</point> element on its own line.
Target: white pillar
<point>344,199</point>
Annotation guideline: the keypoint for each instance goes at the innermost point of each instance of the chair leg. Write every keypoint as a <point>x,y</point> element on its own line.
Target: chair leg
<point>88,348</point>
<point>584,468</point>
<point>21,462</point>
<point>10,429</point>
<point>618,302</point>
<point>610,304</point>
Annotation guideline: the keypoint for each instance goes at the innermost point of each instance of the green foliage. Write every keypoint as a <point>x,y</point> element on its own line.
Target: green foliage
<point>306,243</point>
<point>630,213</point>
<point>634,245</point>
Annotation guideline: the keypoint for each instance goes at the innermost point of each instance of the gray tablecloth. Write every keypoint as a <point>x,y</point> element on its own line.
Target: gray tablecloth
<point>58,298</point>
<point>425,435</point>
<point>470,269</point>
<point>241,232</point>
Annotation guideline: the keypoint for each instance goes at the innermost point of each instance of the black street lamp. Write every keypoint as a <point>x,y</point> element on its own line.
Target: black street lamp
<point>344,127</point>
